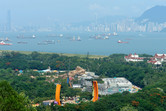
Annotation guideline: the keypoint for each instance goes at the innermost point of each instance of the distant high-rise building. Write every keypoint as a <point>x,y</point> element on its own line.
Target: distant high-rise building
<point>8,26</point>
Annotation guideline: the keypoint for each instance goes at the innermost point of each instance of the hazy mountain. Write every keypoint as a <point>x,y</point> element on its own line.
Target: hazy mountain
<point>155,14</point>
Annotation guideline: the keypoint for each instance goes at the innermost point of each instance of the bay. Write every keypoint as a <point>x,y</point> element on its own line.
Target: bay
<point>140,43</point>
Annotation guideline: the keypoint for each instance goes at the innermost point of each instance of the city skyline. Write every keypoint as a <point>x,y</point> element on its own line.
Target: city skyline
<point>55,11</point>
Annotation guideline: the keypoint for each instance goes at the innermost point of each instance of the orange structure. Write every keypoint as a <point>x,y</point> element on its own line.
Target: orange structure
<point>95,91</point>
<point>57,93</point>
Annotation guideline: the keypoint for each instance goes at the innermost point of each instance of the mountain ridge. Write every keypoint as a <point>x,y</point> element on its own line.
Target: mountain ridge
<point>155,14</point>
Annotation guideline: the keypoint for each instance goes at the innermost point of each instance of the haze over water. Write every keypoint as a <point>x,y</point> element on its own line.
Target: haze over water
<point>51,15</point>
<point>149,43</point>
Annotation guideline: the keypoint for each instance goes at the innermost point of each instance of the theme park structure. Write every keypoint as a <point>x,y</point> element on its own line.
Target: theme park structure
<point>94,93</point>
<point>57,94</point>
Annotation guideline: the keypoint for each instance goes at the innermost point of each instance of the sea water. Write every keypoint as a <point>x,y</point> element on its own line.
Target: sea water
<point>148,43</point>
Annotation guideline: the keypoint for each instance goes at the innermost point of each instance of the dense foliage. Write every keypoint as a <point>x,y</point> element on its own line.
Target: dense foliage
<point>145,100</point>
<point>141,74</point>
<point>10,100</point>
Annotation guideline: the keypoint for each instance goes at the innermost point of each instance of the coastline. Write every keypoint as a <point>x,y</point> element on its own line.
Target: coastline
<point>61,54</point>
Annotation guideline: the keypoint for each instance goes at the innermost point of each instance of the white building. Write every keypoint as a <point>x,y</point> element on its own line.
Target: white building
<point>133,58</point>
<point>158,59</point>
<point>119,82</point>
<point>115,85</point>
<point>76,85</point>
<point>48,102</point>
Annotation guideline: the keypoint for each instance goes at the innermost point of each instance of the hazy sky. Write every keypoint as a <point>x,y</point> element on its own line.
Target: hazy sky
<point>49,11</point>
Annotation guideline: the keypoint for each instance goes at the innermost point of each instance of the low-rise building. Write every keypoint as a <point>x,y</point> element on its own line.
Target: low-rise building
<point>157,59</point>
<point>110,85</point>
<point>114,85</point>
<point>76,86</point>
<point>133,58</point>
<point>48,102</point>
<point>160,57</point>
<point>119,82</point>
<point>155,62</point>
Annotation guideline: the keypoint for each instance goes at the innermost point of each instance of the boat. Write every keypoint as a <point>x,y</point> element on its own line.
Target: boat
<point>26,37</point>
<point>7,39</point>
<point>106,37</point>
<point>49,41</point>
<point>33,36</point>
<point>3,43</point>
<point>21,42</point>
<point>98,37</point>
<point>42,43</point>
<point>78,38</point>
<point>115,34</point>
<point>119,41</point>
<point>54,35</point>
<point>61,35</point>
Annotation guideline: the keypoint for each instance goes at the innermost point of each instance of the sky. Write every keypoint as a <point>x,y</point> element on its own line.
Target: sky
<point>29,12</point>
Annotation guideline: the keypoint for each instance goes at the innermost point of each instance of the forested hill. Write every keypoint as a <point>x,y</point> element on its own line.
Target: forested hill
<point>142,74</point>
<point>155,14</point>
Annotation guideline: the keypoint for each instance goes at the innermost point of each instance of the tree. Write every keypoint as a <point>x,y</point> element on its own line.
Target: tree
<point>128,108</point>
<point>10,100</point>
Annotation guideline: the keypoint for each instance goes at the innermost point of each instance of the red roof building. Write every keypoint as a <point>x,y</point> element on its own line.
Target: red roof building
<point>155,62</point>
<point>158,59</point>
<point>133,58</point>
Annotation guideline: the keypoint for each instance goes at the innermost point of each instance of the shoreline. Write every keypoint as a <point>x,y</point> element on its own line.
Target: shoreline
<point>61,54</point>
